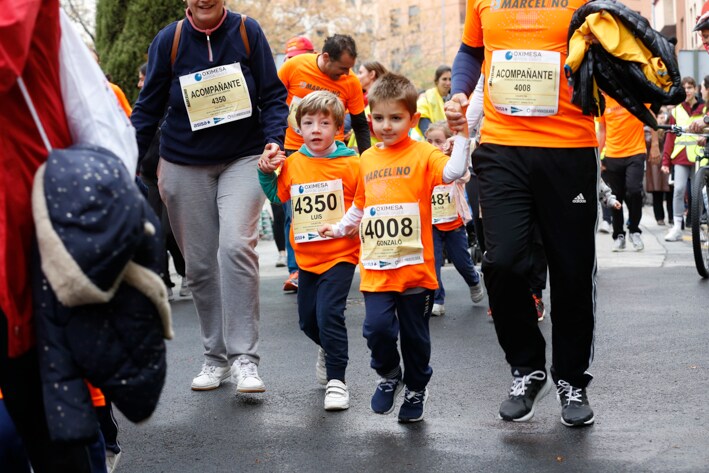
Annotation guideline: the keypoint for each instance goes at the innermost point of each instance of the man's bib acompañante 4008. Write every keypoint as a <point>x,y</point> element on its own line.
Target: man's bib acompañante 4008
<point>525,82</point>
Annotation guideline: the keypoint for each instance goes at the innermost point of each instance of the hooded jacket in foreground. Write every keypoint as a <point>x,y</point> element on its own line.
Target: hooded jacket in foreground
<point>101,308</point>
<point>630,61</point>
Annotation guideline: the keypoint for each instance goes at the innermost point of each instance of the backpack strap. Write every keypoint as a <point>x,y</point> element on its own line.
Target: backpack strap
<point>245,38</point>
<point>175,42</point>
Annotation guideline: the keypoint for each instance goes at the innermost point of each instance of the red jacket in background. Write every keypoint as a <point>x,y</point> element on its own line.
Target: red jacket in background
<point>29,46</point>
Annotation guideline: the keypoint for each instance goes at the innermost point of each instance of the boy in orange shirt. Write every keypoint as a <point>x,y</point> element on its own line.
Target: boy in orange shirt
<point>320,180</point>
<point>398,276</point>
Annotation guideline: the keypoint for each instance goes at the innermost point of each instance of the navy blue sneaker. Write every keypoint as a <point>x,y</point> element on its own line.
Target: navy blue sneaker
<point>414,406</point>
<point>384,396</point>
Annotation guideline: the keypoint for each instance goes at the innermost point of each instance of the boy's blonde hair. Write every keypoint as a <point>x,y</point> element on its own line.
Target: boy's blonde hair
<point>393,88</point>
<point>440,125</point>
<point>323,102</point>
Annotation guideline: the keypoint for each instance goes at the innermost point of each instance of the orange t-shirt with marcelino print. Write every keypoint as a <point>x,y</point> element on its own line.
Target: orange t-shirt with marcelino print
<point>625,133</point>
<point>301,76</point>
<point>515,34</point>
<point>402,174</point>
<point>309,174</point>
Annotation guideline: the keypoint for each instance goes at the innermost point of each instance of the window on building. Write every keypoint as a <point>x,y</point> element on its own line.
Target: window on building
<point>394,21</point>
<point>414,19</point>
<point>395,62</point>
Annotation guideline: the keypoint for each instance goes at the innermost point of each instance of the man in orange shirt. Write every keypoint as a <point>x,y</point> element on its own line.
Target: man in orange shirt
<point>622,136</point>
<point>537,165</point>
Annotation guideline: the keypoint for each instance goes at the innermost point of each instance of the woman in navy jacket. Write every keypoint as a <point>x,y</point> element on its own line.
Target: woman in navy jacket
<point>223,103</point>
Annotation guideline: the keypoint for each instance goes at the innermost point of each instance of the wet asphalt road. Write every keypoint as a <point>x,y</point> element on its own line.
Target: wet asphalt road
<point>649,392</point>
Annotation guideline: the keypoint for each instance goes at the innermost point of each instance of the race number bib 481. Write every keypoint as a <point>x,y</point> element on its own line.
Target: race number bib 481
<point>313,204</point>
<point>391,236</point>
<point>443,205</point>
<point>216,96</point>
<point>525,82</point>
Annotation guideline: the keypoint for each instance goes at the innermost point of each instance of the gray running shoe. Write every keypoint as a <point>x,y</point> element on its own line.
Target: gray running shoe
<point>619,243</point>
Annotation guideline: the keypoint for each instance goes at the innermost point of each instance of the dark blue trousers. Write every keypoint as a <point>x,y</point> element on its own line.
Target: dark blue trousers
<point>322,299</point>
<point>456,244</point>
<point>390,315</point>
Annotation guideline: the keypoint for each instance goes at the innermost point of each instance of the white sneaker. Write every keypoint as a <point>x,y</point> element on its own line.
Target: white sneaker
<point>246,377</point>
<point>604,227</point>
<point>637,242</point>
<point>281,261</point>
<point>437,310</point>
<point>210,377</point>
<point>619,243</point>
<point>477,292</point>
<point>170,294</point>
<point>320,369</point>
<point>675,234</point>
<point>337,397</point>
<point>185,290</point>
<point>112,460</point>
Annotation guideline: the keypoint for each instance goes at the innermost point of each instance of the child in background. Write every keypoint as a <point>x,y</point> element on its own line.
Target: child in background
<point>450,212</point>
<point>320,180</point>
<point>398,276</point>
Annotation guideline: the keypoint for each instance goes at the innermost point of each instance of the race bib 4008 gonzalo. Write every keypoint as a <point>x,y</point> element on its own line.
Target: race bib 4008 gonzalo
<point>216,96</point>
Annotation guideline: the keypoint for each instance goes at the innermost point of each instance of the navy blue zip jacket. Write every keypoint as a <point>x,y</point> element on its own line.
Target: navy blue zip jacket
<point>161,95</point>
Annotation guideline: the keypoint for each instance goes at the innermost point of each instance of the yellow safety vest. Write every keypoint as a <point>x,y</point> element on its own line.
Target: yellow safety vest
<point>683,119</point>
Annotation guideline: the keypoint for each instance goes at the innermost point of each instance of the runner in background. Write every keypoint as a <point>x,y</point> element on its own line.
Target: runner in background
<point>622,136</point>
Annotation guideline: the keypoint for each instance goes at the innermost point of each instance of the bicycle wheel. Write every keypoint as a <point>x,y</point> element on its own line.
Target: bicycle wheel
<point>700,224</point>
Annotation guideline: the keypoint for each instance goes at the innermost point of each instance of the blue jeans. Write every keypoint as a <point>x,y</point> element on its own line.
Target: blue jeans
<point>322,299</point>
<point>390,316</point>
<point>456,243</point>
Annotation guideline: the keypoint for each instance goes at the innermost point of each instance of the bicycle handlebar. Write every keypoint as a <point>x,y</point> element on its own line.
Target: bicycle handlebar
<point>678,130</point>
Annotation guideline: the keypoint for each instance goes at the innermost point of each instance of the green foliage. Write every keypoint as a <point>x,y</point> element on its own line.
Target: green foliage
<point>124,30</point>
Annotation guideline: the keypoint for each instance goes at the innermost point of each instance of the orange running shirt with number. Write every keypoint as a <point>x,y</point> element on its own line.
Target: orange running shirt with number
<point>535,26</point>
<point>319,256</point>
<point>301,76</point>
<point>405,173</point>
<point>625,133</point>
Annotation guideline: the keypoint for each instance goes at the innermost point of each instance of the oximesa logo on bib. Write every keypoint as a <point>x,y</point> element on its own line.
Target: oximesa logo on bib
<point>198,77</point>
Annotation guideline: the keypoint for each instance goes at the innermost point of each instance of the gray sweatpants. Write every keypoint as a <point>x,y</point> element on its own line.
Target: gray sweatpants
<point>214,211</point>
